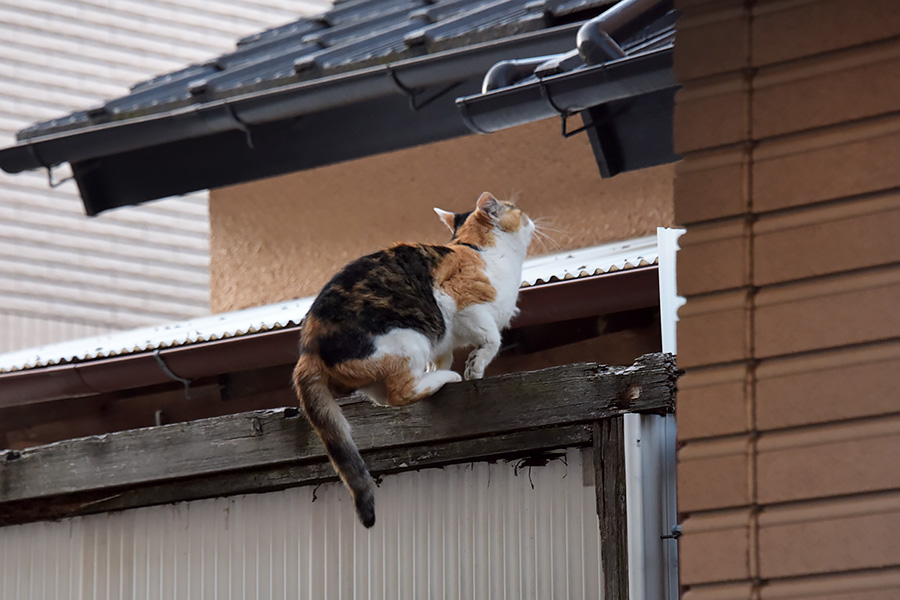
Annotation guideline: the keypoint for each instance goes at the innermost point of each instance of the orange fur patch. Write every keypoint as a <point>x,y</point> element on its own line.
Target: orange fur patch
<point>309,375</point>
<point>310,331</point>
<point>360,372</point>
<point>510,219</point>
<point>307,368</point>
<point>477,230</point>
<point>391,373</point>
<point>461,275</point>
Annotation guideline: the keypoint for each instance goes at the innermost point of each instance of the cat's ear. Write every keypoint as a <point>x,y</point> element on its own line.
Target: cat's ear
<point>447,218</point>
<point>488,204</point>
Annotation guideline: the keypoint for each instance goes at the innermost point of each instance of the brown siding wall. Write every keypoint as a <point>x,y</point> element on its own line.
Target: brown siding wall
<point>282,238</point>
<point>789,414</point>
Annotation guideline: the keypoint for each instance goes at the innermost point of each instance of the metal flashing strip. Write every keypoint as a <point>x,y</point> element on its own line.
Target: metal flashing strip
<point>549,269</point>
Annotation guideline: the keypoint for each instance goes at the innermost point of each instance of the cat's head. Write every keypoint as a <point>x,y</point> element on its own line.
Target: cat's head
<point>490,218</point>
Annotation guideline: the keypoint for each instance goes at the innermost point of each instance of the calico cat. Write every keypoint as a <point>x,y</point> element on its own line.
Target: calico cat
<point>387,324</point>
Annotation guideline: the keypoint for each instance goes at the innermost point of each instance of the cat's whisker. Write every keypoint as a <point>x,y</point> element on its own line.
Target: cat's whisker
<point>542,249</point>
<point>560,235</point>
<point>544,239</point>
<point>545,224</point>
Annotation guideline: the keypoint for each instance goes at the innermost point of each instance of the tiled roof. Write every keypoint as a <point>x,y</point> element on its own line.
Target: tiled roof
<point>607,258</point>
<point>353,35</point>
<point>373,76</point>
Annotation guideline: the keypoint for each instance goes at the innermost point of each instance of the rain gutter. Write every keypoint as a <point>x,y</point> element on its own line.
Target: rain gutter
<point>404,77</point>
<point>600,294</point>
<point>570,92</point>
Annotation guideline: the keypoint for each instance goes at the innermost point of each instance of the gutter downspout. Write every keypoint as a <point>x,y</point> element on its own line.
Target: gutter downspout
<point>595,39</point>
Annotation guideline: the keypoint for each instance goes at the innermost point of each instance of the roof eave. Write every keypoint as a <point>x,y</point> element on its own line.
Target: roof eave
<point>302,98</point>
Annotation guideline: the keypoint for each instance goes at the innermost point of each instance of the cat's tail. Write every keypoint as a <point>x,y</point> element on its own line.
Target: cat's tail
<point>326,417</point>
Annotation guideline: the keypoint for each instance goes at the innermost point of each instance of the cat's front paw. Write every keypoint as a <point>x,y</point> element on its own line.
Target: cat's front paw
<point>474,368</point>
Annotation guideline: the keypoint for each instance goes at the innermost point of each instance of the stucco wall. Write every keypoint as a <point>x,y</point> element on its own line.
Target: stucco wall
<point>283,237</point>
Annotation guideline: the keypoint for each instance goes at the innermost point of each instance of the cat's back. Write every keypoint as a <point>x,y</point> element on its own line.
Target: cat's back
<point>399,273</point>
<point>372,295</point>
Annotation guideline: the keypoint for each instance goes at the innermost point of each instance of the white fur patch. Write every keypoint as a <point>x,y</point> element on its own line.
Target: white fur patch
<point>504,269</point>
<point>406,343</point>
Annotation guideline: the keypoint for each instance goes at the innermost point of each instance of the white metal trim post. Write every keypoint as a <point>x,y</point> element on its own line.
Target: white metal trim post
<point>650,463</point>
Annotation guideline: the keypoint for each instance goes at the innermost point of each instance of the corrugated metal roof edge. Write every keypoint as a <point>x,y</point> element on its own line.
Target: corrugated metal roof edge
<point>541,270</point>
<point>612,292</point>
<point>623,290</point>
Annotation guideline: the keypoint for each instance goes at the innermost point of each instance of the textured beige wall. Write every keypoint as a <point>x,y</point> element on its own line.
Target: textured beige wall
<point>283,237</point>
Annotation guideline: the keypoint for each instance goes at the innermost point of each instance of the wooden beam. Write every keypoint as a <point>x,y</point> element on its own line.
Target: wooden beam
<point>609,479</point>
<point>268,449</point>
<point>277,477</point>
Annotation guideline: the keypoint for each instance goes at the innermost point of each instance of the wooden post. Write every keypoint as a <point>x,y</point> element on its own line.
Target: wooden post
<point>609,469</point>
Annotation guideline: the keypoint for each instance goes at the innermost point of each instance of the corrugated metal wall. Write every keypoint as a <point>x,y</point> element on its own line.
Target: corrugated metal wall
<point>486,531</point>
<point>62,274</point>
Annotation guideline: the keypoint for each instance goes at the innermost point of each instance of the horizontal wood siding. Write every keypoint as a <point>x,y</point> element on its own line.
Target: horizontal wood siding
<point>63,275</point>
<point>789,417</point>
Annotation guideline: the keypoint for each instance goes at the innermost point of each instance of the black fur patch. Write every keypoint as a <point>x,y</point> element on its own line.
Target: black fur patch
<point>375,294</point>
<point>458,220</point>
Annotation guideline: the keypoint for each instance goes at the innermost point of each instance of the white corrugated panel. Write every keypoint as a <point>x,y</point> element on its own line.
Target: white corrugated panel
<point>62,273</point>
<point>480,530</point>
<point>596,260</point>
<point>551,268</point>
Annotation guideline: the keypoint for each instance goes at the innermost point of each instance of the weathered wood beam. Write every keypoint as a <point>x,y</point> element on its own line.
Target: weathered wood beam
<point>609,479</point>
<point>277,477</point>
<point>276,448</point>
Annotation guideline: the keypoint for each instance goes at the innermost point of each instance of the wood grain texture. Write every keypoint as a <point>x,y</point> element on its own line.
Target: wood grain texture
<point>510,446</point>
<point>268,449</point>
<point>609,479</point>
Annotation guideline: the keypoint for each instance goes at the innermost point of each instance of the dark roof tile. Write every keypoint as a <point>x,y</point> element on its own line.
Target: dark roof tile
<point>352,35</point>
<point>561,8</point>
<point>487,22</point>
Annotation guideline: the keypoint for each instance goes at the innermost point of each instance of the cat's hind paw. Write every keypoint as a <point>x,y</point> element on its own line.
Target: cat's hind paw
<point>431,382</point>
